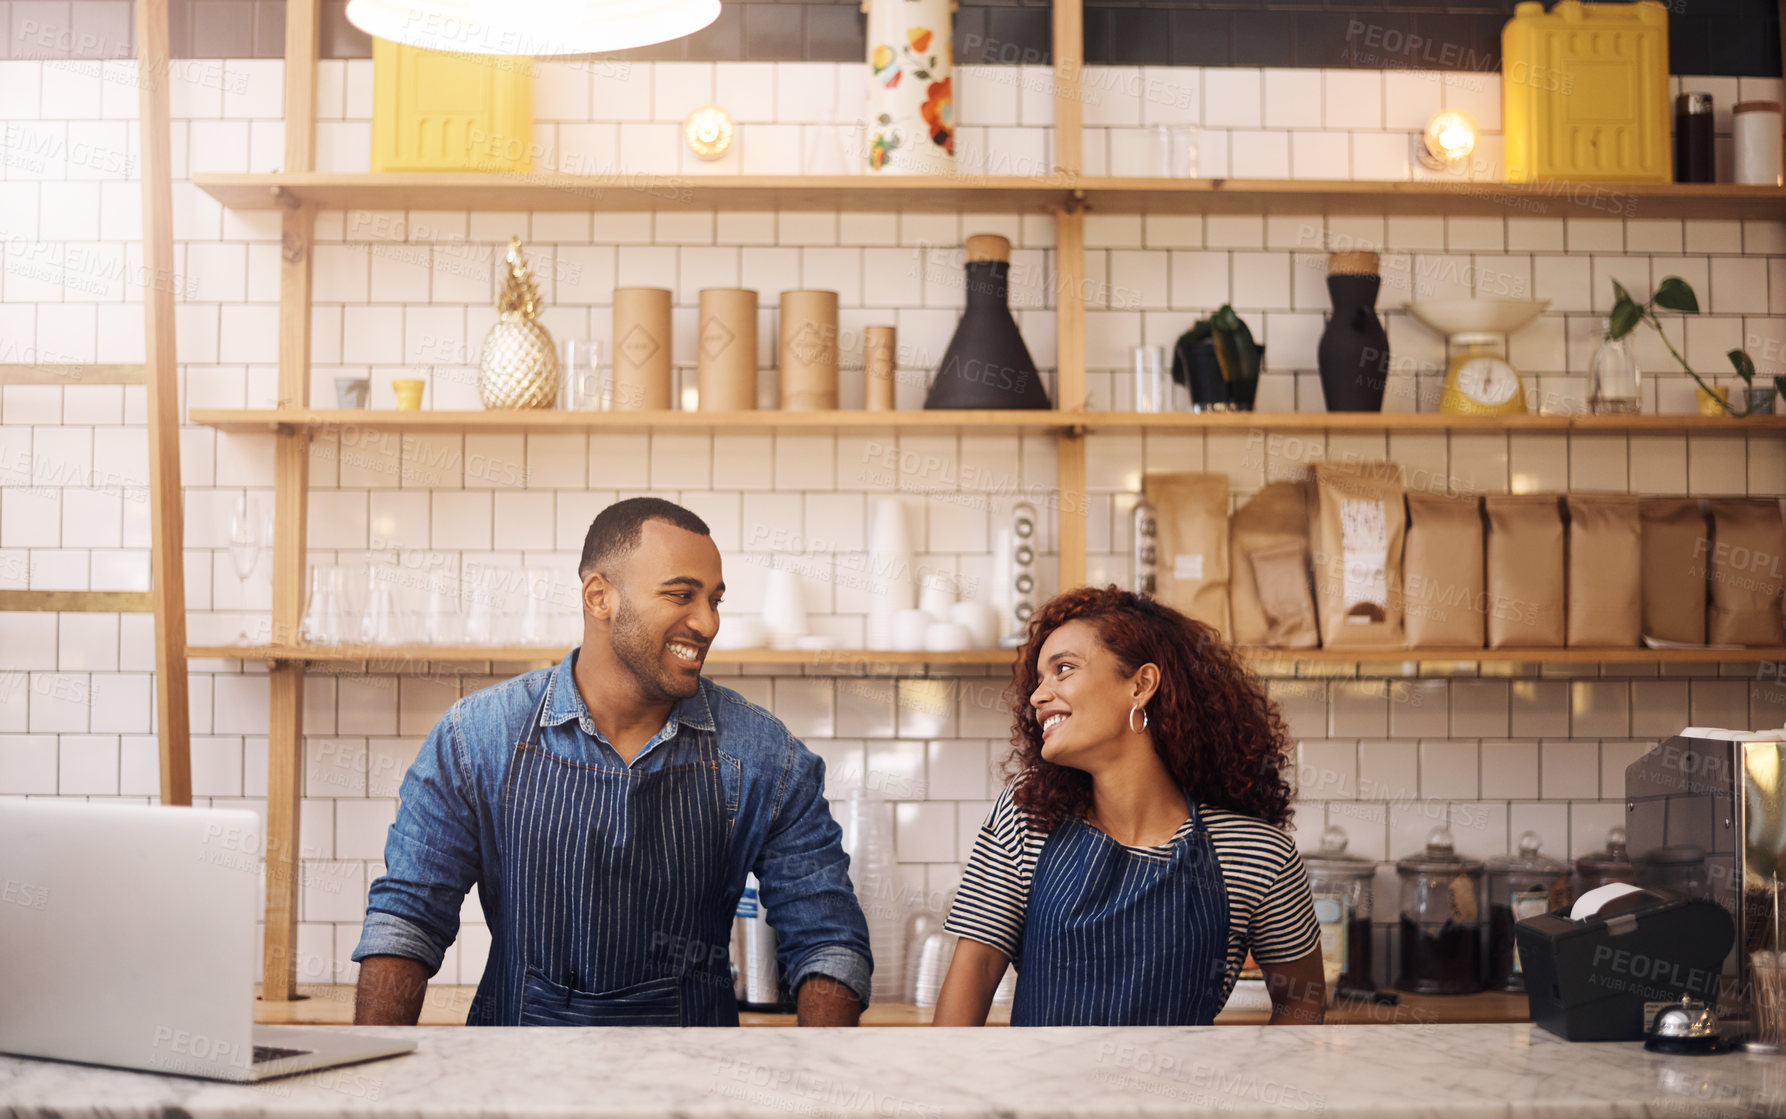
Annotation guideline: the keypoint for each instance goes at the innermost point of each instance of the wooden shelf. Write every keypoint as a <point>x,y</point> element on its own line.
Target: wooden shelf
<point>1327,196</point>
<point>1687,423</point>
<point>1581,655</point>
<point>396,657</point>
<point>630,192</point>
<point>391,657</point>
<point>984,422</point>
<point>635,192</point>
<point>766,422</point>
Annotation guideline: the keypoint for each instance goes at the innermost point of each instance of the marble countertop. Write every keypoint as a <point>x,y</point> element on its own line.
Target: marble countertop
<point>1470,1070</point>
<point>326,1004</point>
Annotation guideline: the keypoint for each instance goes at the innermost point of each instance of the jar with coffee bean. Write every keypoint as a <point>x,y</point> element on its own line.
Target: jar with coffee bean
<point>1441,920</point>
<point>1526,884</point>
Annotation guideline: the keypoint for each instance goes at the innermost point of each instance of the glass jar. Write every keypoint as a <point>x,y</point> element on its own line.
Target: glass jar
<point>1677,873</point>
<point>1522,885</point>
<point>1342,885</point>
<point>1604,867</point>
<point>1441,920</point>
<point>1152,387</point>
<point>1614,377</point>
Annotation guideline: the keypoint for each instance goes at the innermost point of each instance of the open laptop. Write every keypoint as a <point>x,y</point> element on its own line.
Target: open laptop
<point>127,939</point>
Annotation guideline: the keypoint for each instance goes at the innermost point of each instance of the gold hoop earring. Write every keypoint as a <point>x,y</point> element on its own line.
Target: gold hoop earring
<point>1132,726</point>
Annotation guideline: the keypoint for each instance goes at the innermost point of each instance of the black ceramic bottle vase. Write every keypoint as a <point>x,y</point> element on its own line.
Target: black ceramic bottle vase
<point>1354,352</point>
<point>987,365</point>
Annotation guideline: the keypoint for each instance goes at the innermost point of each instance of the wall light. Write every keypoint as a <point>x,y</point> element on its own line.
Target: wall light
<point>531,27</point>
<point>1449,139</point>
<point>708,131</point>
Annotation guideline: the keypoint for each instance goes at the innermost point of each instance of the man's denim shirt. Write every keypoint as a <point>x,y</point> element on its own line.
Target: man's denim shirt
<point>445,836</point>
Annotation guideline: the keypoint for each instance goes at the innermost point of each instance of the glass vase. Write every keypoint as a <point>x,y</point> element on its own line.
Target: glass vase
<point>322,612</point>
<point>581,387</point>
<point>1614,377</point>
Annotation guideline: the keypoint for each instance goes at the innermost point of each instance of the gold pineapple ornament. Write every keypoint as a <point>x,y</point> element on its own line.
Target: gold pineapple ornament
<point>519,364</point>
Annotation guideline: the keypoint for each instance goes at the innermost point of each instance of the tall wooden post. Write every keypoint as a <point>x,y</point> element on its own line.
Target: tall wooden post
<point>1069,292</point>
<point>161,380</point>
<point>291,494</point>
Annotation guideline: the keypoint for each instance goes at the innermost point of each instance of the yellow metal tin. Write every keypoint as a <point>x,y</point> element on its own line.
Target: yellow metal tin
<point>439,111</point>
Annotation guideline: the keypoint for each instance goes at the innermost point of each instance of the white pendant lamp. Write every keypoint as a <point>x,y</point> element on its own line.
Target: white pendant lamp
<point>531,27</point>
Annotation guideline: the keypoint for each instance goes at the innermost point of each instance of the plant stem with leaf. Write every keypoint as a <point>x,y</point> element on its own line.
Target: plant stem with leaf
<point>1675,294</point>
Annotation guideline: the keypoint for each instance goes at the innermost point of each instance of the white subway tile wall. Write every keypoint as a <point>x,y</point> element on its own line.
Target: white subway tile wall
<point>1493,751</point>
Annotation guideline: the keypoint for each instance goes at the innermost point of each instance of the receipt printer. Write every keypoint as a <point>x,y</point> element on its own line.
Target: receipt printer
<point>1601,970</point>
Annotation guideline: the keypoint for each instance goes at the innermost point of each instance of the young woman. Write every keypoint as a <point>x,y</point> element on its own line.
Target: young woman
<point>1140,852</point>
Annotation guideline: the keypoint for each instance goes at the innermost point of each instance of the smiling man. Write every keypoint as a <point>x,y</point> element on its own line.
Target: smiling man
<point>608,810</point>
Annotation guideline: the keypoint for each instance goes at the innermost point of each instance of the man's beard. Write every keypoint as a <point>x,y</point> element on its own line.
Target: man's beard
<point>643,655</point>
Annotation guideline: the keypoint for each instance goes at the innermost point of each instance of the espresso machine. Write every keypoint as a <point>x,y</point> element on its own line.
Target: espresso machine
<point>1705,816</point>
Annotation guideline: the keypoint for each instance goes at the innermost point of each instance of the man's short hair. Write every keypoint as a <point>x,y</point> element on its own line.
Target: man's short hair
<point>615,531</point>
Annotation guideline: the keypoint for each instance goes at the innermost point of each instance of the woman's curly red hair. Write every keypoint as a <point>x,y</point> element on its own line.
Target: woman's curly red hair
<point>1221,738</point>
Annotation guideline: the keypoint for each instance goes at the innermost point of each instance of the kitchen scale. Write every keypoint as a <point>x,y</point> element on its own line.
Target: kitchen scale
<point>1479,380</point>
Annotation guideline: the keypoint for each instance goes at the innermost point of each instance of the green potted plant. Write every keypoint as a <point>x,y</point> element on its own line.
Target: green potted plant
<point>1218,361</point>
<point>1615,372</point>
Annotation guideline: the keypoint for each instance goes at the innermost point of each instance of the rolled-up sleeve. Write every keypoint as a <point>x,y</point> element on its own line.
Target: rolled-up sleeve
<point>431,856</point>
<point>803,876</point>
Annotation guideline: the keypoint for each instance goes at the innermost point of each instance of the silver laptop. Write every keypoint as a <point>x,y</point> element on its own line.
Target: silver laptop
<point>127,939</point>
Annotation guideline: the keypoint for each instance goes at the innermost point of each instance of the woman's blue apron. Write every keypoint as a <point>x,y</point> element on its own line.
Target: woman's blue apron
<point>1115,938</point>
<point>611,903</point>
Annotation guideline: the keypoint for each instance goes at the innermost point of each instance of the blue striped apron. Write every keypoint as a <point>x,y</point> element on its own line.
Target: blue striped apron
<point>611,907</point>
<point>1114,938</point>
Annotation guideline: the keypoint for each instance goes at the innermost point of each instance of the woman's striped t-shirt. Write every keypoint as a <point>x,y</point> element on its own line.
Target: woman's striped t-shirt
<point>1270,910</point>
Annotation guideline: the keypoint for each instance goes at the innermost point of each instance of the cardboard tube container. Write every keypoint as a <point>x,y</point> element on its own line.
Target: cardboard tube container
<point>808,351</point>
<point>726,364</point>
<point>880,347</point>
<point>642,379</point>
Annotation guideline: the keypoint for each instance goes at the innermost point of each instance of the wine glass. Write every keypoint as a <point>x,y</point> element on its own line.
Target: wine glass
<point>247,538</point>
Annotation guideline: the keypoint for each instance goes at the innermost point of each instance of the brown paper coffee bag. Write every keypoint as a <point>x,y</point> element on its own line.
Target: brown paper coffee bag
<point>1357,553</point>
<point>1442,572</point>
<point>1281,572</point>
<point>1273,518</point>
<point>1524,570</point>
<point>1748,565</point>
<point>1191,514</point>
<point>1604,584</point>
<point>1676,542</point>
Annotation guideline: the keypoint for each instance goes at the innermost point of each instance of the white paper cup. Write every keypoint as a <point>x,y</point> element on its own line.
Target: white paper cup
<point>910,628</point>
<point>741,633</point>
<point>980,619</point>
<point>948,637</point>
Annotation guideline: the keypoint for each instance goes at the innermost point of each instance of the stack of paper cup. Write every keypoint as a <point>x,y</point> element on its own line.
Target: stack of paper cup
<point>866,820</point>
<point>784,608</point>
<point>889,570</point>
